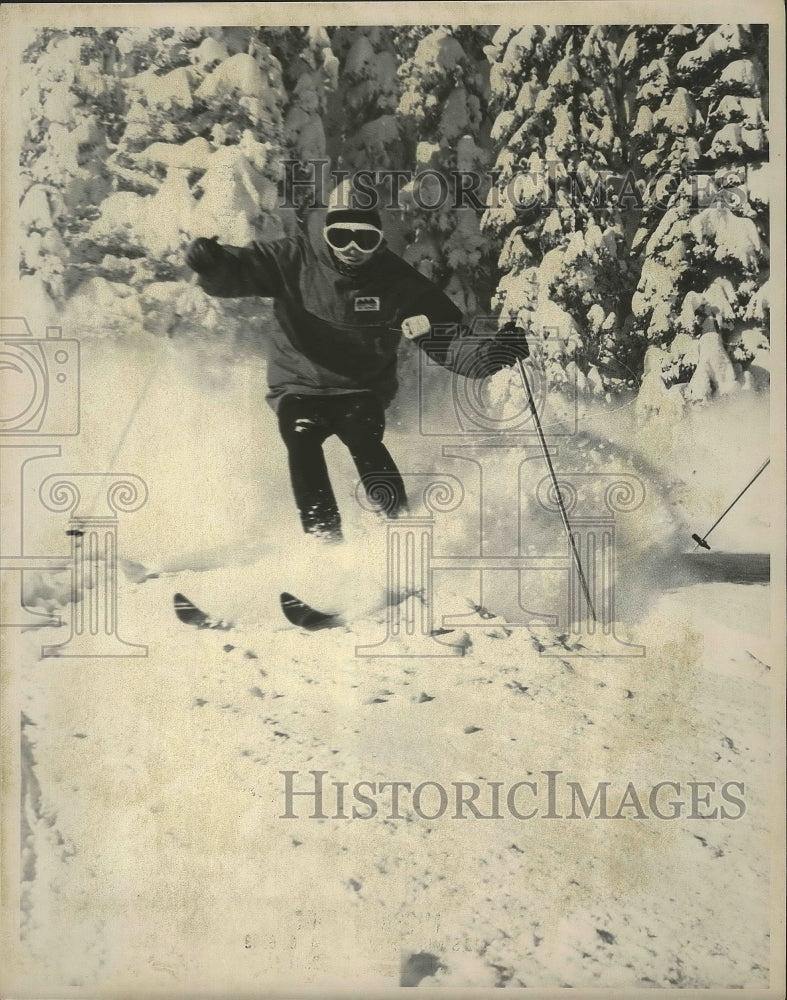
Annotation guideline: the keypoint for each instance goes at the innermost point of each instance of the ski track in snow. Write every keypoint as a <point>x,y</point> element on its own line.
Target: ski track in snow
<point>153,787</point>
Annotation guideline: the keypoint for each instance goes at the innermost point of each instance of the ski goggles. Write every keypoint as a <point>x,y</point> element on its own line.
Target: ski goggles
<point>343,235</point>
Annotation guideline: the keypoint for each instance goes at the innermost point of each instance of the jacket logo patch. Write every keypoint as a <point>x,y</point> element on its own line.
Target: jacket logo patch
<point>367,303</point>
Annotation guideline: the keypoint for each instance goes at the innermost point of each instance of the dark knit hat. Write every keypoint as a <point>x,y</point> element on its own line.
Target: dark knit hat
<point>368,215</point>
<point>343,207</point>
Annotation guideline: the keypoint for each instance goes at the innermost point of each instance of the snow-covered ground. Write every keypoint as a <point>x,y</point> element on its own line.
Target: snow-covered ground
<point>154,855</point>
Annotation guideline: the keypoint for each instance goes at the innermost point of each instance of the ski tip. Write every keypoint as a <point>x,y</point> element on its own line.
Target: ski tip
<point>701,542</point>
<point>299,613</point>
<point>188,612</point>
<point>181,602</point>
<point>290,605</point>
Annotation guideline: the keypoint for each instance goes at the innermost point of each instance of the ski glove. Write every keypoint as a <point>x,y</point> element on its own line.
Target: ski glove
<point>203,255</point>
<point>503,350</point>
<point>514,337</point>
<point>416,326</point>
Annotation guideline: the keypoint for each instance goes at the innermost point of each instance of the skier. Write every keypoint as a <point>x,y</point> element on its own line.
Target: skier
<point>343,301</point>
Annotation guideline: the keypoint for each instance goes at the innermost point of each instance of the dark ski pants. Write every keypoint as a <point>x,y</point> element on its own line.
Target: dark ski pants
<point>358,420</point>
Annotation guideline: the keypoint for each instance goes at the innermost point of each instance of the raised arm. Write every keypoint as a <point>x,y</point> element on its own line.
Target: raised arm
<point>233,272</point>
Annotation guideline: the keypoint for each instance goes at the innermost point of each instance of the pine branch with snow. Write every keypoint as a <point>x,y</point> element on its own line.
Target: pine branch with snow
<point>443,111</point>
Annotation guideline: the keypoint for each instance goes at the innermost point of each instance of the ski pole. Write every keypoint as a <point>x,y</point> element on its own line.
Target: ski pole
<point>701,541</point>
<point>558,494</point>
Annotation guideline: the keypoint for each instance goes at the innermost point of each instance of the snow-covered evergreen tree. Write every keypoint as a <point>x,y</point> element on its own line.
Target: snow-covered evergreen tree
<point>701,129</point>
<point>309,77</point>
<point>138,141</point>
<point>204,137</point>
<point>667,125</point>
<point>442,109</point>
<point>361,123</point>
<point>629,212</point>
<point>561,238</point>
<point>70,102</point>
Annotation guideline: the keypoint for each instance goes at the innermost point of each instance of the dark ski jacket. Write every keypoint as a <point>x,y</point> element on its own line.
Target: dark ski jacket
<point>340,328</point>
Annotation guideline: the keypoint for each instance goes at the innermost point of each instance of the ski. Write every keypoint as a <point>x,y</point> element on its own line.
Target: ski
<point>300,613</point>
<point>190,614</point>
<point>304,616</point>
